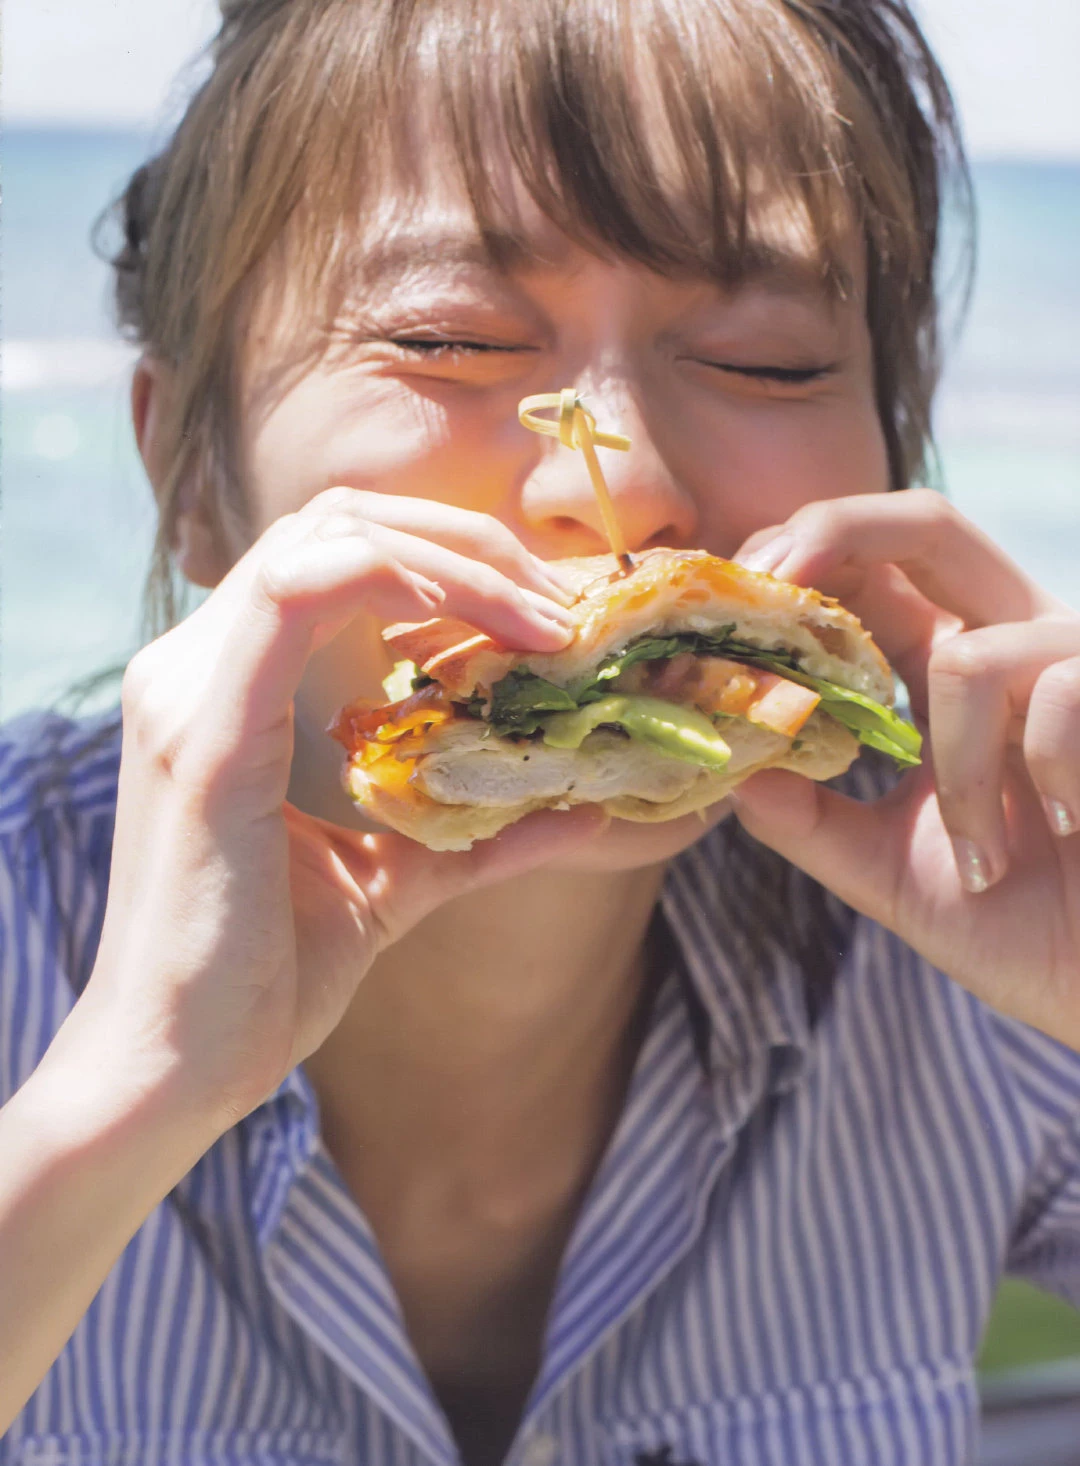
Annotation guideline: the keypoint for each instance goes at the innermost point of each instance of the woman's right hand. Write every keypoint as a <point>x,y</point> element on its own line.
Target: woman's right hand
<point>237,927</point>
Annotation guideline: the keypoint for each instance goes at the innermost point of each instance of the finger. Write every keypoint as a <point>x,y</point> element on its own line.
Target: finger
<point>404,881</point>
<point>969,719</point>
<point>257,657</point>
<point>477,593</point>
<point>299,586</point>
<point>979,682</point>
<point>902,621</point>
<point>943,554</point>
<point>905,625</point>
<point>474,592</point>
<point>764,549</point>
<point>851,847</point>
<point>1052,744</point>
<point>476,536</point>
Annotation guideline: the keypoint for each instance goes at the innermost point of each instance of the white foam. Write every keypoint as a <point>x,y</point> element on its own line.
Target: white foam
<point>82,361</point>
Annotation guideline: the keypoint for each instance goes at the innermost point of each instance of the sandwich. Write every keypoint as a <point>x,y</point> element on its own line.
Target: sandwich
<point>683,678</point>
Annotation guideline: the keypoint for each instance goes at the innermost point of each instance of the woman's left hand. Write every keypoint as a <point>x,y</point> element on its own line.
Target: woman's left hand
<point>974,858</point>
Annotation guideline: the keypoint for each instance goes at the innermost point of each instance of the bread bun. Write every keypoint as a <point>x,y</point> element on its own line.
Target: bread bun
<point>668,591</point>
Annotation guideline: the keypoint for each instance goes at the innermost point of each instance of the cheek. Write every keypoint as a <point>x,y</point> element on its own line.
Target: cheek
<point>773,460</point>
<point>378,433</point>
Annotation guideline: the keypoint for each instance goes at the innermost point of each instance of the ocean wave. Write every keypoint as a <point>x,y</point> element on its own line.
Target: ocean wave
<point>83,361</point>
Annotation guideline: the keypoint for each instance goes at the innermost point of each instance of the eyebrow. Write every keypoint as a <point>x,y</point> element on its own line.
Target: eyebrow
<point>780,270</point>
<point>397,254</point>
<point>767,267</point>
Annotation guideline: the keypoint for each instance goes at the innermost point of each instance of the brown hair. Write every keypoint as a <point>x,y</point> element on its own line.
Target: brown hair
<point>834,106</point>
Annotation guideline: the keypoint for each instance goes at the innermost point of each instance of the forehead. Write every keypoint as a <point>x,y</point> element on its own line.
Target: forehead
<point>437,235</point>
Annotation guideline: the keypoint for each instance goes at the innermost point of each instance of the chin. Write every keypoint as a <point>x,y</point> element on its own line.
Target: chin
<point>627,845</point>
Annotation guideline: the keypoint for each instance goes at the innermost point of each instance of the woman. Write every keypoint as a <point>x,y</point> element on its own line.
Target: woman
<point>598,1143</point>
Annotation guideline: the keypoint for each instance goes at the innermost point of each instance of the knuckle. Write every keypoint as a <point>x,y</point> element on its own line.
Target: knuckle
<point>136,682</point>
<point>825,526</point>
<point>275,582</point>
<point>492,585</point>
<point>812,520</point>
<point>1058,689</point>
<point>1050,756</point>
<point>970,804</point>
<point>960,661</point>
<point>335,525</point>
<point>281,531</point>
<point>153,727</point>
<point>497,536</point>
<point>931,506</point>
<point>338,499</point>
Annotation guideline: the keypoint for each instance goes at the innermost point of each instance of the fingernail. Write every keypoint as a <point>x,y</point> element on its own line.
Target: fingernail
<point>559,592</point>
<point>769,555</point>
<point>973,866</point>
<point>1062,821</point>
<point>427,588</point>
<point>558,628</point>
<point>549,609</point>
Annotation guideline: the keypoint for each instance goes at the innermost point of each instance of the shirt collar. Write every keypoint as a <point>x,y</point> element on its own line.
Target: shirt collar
<point>757,944</point>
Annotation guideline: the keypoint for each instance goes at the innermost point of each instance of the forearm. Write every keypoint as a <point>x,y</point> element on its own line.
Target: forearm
<point>82,1165</point>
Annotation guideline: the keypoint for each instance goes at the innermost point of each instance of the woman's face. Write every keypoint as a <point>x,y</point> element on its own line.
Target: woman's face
<point>740,406</point>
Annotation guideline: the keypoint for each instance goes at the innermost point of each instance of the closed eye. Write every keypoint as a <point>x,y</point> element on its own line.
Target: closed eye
<point>790,376</point>
<point>436,346</point>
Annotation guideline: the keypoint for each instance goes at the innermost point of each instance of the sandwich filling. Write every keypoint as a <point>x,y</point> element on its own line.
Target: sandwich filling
<point>677,695</point>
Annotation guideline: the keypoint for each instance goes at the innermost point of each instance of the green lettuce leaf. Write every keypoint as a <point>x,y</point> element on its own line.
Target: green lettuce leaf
<point>518,701</point>
<point>877,726</point>
<point>521,702</point>
<point>872,723</point>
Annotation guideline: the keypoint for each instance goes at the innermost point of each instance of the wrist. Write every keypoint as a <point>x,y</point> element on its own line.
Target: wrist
<point>86,1093</point>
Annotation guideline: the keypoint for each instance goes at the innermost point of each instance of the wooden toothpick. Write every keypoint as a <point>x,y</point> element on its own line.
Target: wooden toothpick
<point>575,427</point>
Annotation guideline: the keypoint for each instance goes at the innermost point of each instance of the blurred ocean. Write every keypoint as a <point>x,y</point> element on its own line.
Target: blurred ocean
<point>78,515</point>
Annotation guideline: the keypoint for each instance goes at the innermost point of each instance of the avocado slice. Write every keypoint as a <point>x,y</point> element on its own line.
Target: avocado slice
<point>679,732</point>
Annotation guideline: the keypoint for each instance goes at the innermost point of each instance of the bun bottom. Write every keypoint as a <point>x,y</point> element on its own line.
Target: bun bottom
<point>825,750</point>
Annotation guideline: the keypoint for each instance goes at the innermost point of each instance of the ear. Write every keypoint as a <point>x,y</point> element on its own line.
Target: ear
<point>195,547</point>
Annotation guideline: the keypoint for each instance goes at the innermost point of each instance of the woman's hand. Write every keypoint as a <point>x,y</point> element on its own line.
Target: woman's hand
<point>237,928</point>
<point>974,859</point>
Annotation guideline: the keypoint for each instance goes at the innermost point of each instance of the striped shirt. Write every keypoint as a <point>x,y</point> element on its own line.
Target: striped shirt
<point>827,1156</point>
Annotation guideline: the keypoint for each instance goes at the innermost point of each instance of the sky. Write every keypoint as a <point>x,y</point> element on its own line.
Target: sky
<point>115,62</point>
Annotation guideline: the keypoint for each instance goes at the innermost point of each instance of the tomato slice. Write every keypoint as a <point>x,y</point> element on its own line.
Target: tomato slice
<point>781,705</point>
<point>717,685</point>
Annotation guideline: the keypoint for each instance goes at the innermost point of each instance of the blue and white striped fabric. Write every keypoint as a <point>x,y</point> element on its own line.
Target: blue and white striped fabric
<point>787,1256</point>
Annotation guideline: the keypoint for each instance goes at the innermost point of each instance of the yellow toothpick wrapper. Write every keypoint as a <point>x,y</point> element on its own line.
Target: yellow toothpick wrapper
<point>575,427</point>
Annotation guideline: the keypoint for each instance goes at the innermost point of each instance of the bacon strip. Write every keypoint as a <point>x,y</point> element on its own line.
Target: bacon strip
<point>456,654</point>
<point>366,722</point>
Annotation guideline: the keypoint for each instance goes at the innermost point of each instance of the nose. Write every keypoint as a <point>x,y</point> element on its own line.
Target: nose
<point>558,503</point>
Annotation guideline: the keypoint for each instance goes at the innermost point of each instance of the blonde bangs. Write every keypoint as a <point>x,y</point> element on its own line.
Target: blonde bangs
<point>673,133</point>
<point>667,132</point>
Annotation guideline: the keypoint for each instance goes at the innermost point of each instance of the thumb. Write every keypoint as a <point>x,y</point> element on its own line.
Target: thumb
<point>410,881</point>
<point>851,847</point>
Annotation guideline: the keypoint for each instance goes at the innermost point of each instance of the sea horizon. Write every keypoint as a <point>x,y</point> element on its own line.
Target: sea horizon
<point>79,515</point>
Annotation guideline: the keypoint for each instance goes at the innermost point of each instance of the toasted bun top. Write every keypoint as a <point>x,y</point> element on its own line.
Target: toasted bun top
<point>667,592</point>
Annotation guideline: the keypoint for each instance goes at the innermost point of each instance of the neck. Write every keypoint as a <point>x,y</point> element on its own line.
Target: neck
<point>496,1029</point>
<point>467,1096</point>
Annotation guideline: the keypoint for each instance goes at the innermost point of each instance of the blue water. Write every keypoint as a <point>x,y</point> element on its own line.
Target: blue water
<point>78,515</point>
